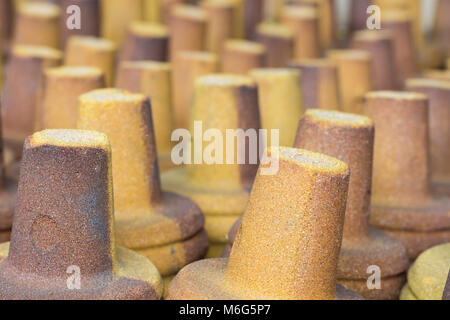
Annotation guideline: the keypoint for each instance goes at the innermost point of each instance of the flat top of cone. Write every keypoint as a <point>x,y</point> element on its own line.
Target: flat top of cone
<point>371,35</point>
<point>338,118</point>
<point>37,51</point>
<point>111,94</point>
<point>349,54</point>
<point>70,138</point>
<point>395,15</point>
<point>219,3</point>
<point>224,80</point>
<point>275,30</point>
<point>39,9</point>
<point>142,28</point>
<point>276,73</point>
<point>197,55</point>
<point>189,11</point>
<point>428,83</point>
<point>300,12</point>
<point>395,95</point>
<point>74,72</point>
<point>320,62</point>
<point>310,160</point>
<point>93,42</point>
<point>245,45</point>
<point>147,65</point>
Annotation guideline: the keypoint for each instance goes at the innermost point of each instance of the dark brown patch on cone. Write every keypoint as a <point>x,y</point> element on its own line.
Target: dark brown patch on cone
<point>278,50</point>
<point>358,17</point>
<point>446,294</point>
<point>253,15</point>
<point>90,18</point>
<point>6,20</point>
<point>138,48</point>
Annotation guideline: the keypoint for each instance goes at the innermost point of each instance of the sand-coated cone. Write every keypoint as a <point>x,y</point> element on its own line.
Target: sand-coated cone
<point>280,102</point>
<point>89,19</point>
<point>438,93</point>
<point>165,227</point>
<point>319,80</point>
<point>220,15</point>
<point>146,41</point>
<point>354,77</point>
<point>37,24</point>
<point>288,244</point>
<point>116,16</point>
<point>399,24</point>
<point>402,202</point>
<point>6,21</point>
<point>21,94</point>
<point>70,235</point>
<point>187,29</point>
<point>253,13</point>
<point>61,86</point>
<point>380,46</point>
<point>93,52</point>
<point>154,80</point>
<point>241,56</point>
<point>304,21</point>
<point>279,43</point>
<point>428,275</point>
<point>221,102</point>
<point>187,67</point>
<point>350,138</point>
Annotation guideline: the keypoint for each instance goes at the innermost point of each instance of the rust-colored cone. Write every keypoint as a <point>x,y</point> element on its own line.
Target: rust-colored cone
<point>319,80</point>
<point>288,244</point>
<point>241,56</point>
<point>165,227</point>
<point>93,52</point>
<point>6,22</point>
<point>358,15</point>
<point>253,15</point>
<point>89,18</point>
<point>221,188</point>
<point>442,23</point>
<point>146,41</point>
<point>154,80</point>
<point>350,138</point>
<point>402,203</point>
<point>438,93</point>
<point>21,94</point>
<point>58,107</point>
<point>72,231</point>
<point>279,43</point>
<point>37,23</point>
<point>380,46</point>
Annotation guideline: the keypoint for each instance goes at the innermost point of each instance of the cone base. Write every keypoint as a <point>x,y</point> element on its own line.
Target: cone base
<point>417,242</point>
<point>176,219</point>
<point>390,287</point>
<point>136,278</point>
<point>431,216</point>
<point>378,249</point>
<point>202,280</point>
<point>212,202</point>
<point>8,197</point>
<point>171,258</point>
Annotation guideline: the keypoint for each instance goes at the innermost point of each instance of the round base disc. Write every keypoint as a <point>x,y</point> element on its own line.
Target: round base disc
<point>203,280</point>
<point>171,258</point>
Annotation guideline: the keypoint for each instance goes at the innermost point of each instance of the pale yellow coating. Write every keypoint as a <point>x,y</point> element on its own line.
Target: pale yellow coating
<point>116,15</point>
<point>37,51</point>
<point>428,83</point>
<point>144,29</point>
<point>95,52</point>
<point>189,12</point>
<point>339,118</point>
<point>369,35</point>
<point>280,102</point>
<point>428,275</point>
<point>279,240</point>
<point>397,95</point>
<point>156,82</point>
<point>187,67</point>
<point>42,9</point>
<point>407,294</point>
<point>58,108</point>
<point>152,11</point>
<point>354,77</point>
<point>70,138</point>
